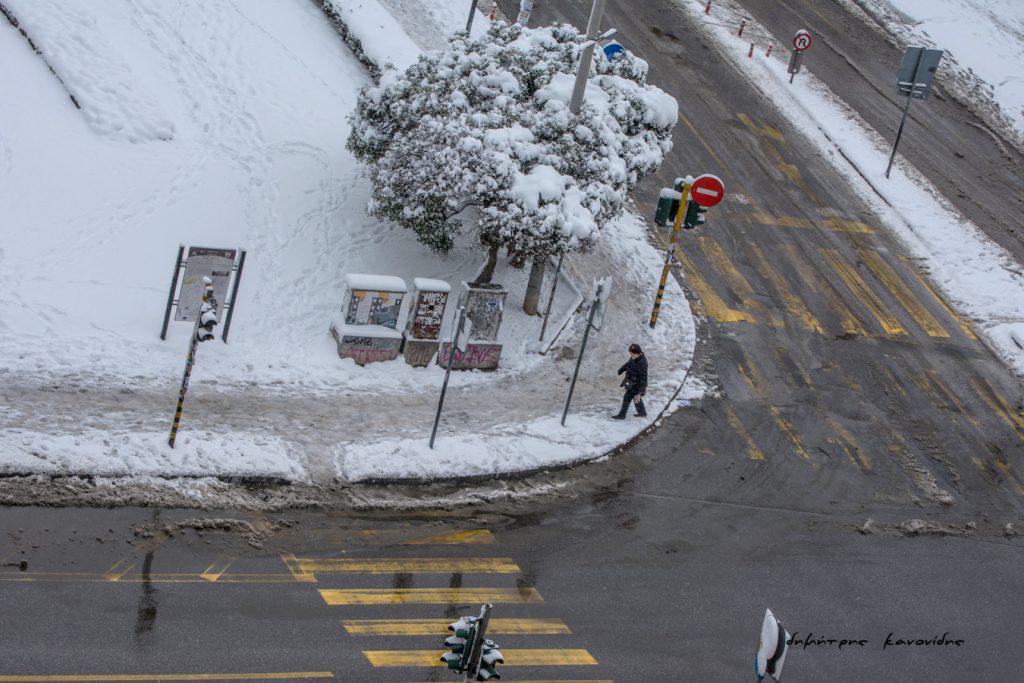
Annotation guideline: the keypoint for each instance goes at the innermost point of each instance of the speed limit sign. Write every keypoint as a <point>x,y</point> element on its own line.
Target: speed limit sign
<point>801,41</point>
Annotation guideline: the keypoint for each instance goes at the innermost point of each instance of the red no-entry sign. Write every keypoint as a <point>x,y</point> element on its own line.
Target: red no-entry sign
<point>707,190</point>
<point>801,41</point>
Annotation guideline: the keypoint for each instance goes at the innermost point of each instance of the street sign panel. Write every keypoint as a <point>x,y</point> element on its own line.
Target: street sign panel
<point>801,41</point>
<point>613,50</point>
<point>917,70</point>
<point>795,62</point>
<point>707,190</point>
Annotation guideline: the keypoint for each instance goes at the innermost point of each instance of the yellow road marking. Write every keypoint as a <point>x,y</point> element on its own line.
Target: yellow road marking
<point>753,451</point>
<point>411,565</point>
<point>274,676</point>
<point>997,403</point>
<point>763,131</point>
<point>786,358</point>
<point>847,437</point>
<point>1004,467</point>
<point>769,136</point>
<point>718,258</point>
<point>888,276</point>
<point>787,429</point>
<point>471,537</point>
<point>957,318</point>
<point>791,301</point>
<point>427,596</point>
<point>120,568</point>
<point>709,300</point>
<point>297,572</point>
<point>217,569</point>
<point>546,657</point>
<point>83,577</point>
<point>845,225</point>
<point>860,289</point>
<point>831,223</point>
<point>700,139</point>
<point>847,320</point>
<point>429,627</point>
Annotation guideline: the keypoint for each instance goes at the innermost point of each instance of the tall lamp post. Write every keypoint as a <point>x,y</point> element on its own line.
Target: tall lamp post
<point>587,56</point>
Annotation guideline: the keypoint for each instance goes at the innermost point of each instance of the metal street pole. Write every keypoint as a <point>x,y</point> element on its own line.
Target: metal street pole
<point>448,370</point>
<point>899,133</point>
<point>472,13</point>
<point>190,360</point>
<point>477,646</point>
<point>554,286</point>
<point>170,294</point>
<point>670,252</point>
<point>583,347</point>
<point>583,71</point>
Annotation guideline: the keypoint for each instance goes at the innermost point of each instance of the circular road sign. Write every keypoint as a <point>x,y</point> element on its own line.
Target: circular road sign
<point>707,190</point>
<point>613,50</point>
<point>801,41</point>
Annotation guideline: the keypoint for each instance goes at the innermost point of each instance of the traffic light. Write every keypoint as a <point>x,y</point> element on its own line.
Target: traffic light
<point>489,659</point>
<point>694,216</point>
<point>668,207</point>
<point>207,321</point>
<point>460,644</point>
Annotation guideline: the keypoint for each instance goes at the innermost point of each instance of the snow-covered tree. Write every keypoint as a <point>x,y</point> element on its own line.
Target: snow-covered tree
<point>480,135</point>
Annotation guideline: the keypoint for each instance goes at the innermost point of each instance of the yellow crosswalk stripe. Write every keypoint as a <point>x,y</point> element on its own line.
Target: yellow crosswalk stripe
<point>844,225</point>
<point>428,596</point>
<point>862,460</point>
<point>709,300</point>
<point>957,318</point>
<point>847,320</point>
<point>468,537</point>
<point>786,428</point>
<point>794,306</point>
<point>217,569</point>
<point>716,255</point>
<point>753,452</point>
<point>101,678</point>
<point>410,565</point>
<point>529,657</point>
<point>998,404</point>
<point>429,627</point>
<point>864,294</point>
<point>298,574</point>
<point>884,272</point>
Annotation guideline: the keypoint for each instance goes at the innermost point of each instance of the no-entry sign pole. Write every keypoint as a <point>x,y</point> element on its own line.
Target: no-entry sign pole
<point>452,348</point>
<point>670,251</point>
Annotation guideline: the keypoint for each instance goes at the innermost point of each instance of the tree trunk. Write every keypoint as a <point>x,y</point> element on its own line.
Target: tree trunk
<point>533,286</point>
<point>488,270</point>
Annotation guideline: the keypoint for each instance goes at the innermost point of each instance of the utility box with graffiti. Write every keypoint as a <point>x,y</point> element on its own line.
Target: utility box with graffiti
<point>368,328</point>
<point>485,304</point>
<point>429,298</point>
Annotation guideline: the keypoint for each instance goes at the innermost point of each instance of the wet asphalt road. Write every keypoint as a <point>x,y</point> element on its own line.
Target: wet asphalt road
<point>844,390</point>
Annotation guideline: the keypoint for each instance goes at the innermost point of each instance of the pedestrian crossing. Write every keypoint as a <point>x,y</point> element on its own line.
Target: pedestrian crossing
<point>823,290</point>
<point>399,626</point>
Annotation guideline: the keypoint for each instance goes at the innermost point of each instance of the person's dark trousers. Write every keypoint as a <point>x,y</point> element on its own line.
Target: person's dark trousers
<point>629,396</point>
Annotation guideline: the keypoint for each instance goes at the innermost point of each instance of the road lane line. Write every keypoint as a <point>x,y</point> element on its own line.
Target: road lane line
<point>753,452</point>
<point>101,678</point>
<point>884,272</point>
<point>735,280</point>
<point>848,322</point>
<point>468,537</point>
<point>429,627</point>
<point>513,657</point>
<point>428,596</point>
<point>864,294</point>
<point>846,225</point>
<point>709,299</point>
<point>298,574</point>
<point>409,565</point>
<point>217,569</point>
<point>700,139</point>
<point>848,439</point>
<point>120,568</point>
<point>784,425</point>
<point>794,305</point>
<point>956,317</point>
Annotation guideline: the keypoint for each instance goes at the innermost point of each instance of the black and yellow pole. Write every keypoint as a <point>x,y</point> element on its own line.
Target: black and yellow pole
<point>670,251</point>
<point>190,359</point>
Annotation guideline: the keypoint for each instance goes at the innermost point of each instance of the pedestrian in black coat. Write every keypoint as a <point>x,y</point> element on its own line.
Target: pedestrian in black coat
<point>635,382</point>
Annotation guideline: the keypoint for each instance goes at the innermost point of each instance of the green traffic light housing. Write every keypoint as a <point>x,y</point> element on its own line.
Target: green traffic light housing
<point>694,215</point>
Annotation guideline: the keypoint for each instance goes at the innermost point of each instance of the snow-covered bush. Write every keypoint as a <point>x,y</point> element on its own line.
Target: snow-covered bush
<point>482,131</point>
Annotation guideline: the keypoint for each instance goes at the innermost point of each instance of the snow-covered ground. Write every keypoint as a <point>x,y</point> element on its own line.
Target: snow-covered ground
<point>978,277</point>
<point>224,124</point>
<point>984,44</point>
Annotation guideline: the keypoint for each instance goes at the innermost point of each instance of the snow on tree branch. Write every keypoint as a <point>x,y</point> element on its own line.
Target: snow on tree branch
<point>486,124</point>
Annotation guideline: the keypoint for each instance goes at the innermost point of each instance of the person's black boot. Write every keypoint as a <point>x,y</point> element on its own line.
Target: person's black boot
<point>619,416</point>
<point>641,411</point>
<point>622,411</point>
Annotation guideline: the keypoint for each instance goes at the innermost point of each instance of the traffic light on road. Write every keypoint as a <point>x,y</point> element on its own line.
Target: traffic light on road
<point>460,644</point>
<point>694,215</point>
<point>489,659</point>
<point>207,321</point>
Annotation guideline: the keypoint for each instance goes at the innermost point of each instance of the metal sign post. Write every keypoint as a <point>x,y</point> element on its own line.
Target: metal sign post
<point>551,299</point>
<point>795,61</point>
<point>208,303</point>
<point>914,81</point>
<point>453,345</point>
<point>204,262</point>
<point>472,12</point>
<point>670,251</point>
<point>594,305</point>
<point>583,70</point>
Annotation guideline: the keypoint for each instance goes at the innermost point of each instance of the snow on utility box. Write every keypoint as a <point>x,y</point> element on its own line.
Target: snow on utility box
<point>372,318</point>
<point>429,298</point>
<point>484,306</point>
